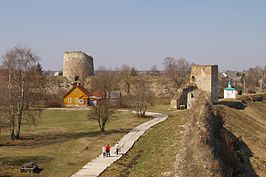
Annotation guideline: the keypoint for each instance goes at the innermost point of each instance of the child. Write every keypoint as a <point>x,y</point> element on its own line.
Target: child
<point>103,151</point>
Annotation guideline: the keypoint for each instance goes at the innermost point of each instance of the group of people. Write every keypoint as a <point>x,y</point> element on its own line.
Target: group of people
<point>106,150</point>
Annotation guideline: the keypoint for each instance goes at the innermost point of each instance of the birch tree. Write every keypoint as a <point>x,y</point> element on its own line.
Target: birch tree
<point>24,87</point>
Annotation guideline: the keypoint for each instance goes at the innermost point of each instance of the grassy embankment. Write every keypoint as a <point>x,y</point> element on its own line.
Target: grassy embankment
<point>61,142</point>
<point>250,126</point>
<point>154,154</point>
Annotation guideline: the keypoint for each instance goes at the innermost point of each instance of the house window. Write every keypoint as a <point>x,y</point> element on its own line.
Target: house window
<point>69,100</point>
<point>77,100</point>
<point>81,101</point>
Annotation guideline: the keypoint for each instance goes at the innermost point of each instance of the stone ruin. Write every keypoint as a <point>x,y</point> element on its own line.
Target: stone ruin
<point>202,77</point>
<point>77,66</point>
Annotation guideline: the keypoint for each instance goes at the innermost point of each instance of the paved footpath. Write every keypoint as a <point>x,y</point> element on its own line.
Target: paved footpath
<point>98,165</point>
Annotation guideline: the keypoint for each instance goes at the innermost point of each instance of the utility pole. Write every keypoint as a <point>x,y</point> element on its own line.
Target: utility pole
<point>244,80</point>
<point>260,82</point>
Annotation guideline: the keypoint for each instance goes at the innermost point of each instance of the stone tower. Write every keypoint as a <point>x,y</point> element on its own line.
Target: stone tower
<point>205,77</point>
<point>77,65</point>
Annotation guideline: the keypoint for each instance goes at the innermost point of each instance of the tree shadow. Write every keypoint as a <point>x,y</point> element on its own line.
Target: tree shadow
<point>232,153</point>
<point>38,170</point>
<point>233,104</point>
<point>51,138</point>
<point>18,161</point>
<point>248,169</point>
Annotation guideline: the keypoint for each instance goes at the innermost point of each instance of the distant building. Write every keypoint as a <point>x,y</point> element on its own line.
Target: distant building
<point>95,97</point>
<point>80,96</point>
<point>230,92</point>
<point>58,73</point>
<point>114,95</point>
<point>182,98</point>
<point>77,65</point>
<point>77,96</point>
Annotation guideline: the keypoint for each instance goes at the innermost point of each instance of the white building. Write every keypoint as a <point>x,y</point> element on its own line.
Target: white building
<point>230,92</point>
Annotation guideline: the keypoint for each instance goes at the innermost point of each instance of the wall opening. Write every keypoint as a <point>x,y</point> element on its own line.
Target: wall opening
<point>76,78</point>
<point>193,78</point>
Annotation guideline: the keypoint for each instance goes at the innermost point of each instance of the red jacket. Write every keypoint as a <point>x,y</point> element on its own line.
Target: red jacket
<point>108,148</point>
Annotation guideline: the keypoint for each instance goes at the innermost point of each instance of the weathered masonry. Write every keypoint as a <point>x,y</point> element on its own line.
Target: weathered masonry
<point>205,77</point>
<point>77,65</point>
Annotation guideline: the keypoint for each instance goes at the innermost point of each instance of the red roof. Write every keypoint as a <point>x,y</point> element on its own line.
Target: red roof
<point>98,94</point>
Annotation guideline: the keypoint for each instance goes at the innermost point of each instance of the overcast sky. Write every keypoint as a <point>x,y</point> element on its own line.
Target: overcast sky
<point>230,33</point>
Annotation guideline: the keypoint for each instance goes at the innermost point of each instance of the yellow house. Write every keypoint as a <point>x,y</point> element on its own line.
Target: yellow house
<point>77,96</point>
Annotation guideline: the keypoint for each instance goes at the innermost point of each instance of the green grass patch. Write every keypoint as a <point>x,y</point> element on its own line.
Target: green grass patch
<point>61,142</point>
<point>154,154</point>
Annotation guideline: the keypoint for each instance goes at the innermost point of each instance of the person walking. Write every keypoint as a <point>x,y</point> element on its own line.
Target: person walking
<point>117,148</point>
<point>103,151</point>
<point>107,149</point>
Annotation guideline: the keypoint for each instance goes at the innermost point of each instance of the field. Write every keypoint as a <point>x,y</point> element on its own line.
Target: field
<point>61,142</point>
<point>154,154</point>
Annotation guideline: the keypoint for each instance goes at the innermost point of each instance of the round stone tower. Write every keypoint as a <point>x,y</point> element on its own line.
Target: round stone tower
<point>77,65</point>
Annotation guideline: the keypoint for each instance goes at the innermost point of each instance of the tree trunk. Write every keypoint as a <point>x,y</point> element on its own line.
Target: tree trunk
<point>100,124</point>
<point>128,89</point>
<point>103,125</point>
<point>12,130</point>
<point>17,130</point>
<point>12,121</point>
<point>18,123</point>
<point>19,111</point>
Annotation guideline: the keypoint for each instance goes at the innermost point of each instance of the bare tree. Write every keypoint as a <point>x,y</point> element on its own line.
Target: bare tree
<point>39,68</point>
<point>101,113</point>
<point>126,78</point>
<point>24,87</point>
<point>154,70</point>
<point>177,70</point>
<point>134,71</point>
<point>3,93</point>
<point>104,81</point>
<point>255,79</point>
<point>142,97</point>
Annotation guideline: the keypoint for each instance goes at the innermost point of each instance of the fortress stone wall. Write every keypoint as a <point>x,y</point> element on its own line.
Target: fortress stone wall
<point>205,77</point>
<point>77,64</point>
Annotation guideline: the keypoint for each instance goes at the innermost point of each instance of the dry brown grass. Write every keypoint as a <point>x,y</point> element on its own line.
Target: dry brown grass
<point>209,148</point>
<point>250,125</point>
<point>61,142</point>
<point>154,153</point>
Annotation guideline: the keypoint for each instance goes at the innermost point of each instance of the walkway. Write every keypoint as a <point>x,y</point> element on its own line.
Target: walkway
<point>99,164</point>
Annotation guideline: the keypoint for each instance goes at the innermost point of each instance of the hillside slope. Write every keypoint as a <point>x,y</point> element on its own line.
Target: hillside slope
<point>223,142</point>
<point>250,126</point>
